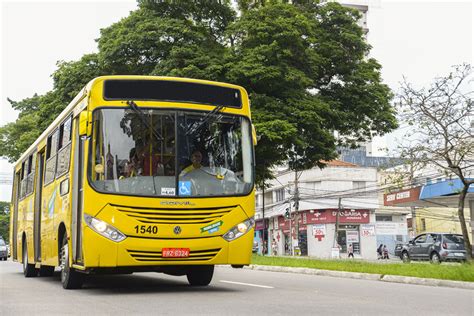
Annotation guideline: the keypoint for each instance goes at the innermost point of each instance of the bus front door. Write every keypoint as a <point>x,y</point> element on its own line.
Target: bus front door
<point>37,209</point>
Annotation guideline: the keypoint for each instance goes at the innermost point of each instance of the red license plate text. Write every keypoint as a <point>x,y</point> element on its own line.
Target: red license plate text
<point>175,252</point>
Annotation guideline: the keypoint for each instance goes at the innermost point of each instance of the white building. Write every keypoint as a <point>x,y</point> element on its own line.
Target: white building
<point>320,192</point>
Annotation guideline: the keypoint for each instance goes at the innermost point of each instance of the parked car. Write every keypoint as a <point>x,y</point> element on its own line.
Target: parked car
<point>398,250</point>
<point>3,250</point>
<point>436,247</point>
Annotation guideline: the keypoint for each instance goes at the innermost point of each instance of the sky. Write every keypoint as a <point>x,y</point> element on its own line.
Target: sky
<point>416,39</point>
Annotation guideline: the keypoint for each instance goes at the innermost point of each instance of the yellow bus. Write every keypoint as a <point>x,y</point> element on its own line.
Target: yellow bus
<point>138,173</point>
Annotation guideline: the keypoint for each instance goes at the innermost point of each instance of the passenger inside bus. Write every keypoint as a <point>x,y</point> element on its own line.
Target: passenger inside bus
<point>144,160</point>
<point>196,160</point>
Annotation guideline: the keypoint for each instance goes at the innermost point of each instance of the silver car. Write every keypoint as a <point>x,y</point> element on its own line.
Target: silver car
<point>436,247</point>
<point>3,250</point>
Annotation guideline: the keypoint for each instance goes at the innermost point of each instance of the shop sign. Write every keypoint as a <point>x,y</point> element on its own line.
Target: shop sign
<point>352,236</point>
<point>335,252</point>
<point>260,225</point>
<point>327,216</point>
<point>346,216</point>
<point>404,196</point>
<point>367,230</point>
<point>391,228</point>
<point>284,224</point>
<point>319,230</point>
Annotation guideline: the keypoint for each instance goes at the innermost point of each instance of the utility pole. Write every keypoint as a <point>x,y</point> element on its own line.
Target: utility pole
<point>291,236</point>
<point>339,209</point>
<point>263,216</point>
<point>297,204</point>
<point>413,221</point>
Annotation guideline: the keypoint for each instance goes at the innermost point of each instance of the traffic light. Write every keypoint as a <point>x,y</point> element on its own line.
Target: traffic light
<point>287,213</point>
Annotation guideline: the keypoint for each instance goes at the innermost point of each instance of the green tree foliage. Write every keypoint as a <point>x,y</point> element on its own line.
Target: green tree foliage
<point>304,65</point>
<point>4,220</point>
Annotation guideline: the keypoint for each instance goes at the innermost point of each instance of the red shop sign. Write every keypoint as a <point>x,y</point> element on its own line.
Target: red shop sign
<point>284,224</point>
<point>346,216</point>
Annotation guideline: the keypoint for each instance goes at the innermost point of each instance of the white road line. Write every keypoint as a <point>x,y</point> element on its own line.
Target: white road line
<point>248,284</point>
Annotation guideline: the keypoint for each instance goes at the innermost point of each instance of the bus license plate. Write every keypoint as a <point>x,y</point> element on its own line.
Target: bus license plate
<point>175,252</point>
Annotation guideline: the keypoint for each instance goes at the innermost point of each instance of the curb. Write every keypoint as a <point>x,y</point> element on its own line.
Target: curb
<point>366,276</point>
<point>429,282</point>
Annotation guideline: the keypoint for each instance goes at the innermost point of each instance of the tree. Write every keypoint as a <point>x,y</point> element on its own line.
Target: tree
<point>304,65</point>
<point>306,69</point>
<point>440,117</point>
<point>4,220</point>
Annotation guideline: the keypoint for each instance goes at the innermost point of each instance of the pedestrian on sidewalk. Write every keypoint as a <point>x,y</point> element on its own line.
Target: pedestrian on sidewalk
<point>385,252</point>
<point>380,252</point>
<point>274,247</point>
<point>350,251</point>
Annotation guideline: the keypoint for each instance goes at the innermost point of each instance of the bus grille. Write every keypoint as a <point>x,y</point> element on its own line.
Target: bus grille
<point>176,216</point>
<point>194,255</point>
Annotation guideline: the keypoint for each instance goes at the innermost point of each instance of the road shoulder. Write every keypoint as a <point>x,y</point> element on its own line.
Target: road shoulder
<point>367,276</point>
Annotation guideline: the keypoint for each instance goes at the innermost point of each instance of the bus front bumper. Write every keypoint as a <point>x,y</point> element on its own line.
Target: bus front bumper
<point>100,252</point>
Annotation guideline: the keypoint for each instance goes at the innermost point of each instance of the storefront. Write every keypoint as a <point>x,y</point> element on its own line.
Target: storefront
<point>317,232</point>
<point>261,234</point>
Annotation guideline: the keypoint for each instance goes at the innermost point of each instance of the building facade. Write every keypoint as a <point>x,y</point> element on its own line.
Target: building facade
<point>315,211</point>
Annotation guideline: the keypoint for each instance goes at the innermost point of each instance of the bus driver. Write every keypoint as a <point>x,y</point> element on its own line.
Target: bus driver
<point>196,159</point>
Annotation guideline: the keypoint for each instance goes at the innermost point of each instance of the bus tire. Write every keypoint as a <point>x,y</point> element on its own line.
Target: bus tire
<point>70,278</point>
<point>200,275</point>
<point>46,271</point>
<point>29,270</point>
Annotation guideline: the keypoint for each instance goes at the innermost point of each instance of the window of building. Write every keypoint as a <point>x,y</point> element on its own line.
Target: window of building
<point>423,224</point>
<point>268,198</point>
<point>383,218</point>
<point>279,195</point>
<point>358,185</point>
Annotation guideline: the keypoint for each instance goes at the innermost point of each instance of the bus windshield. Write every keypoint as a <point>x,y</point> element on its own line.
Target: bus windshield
<point>150,152</point>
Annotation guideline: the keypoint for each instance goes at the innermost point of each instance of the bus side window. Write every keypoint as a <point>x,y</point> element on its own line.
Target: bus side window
<point>64,148</point>
<point>22,180</point>
<point>51,149</point>
<point>30,174</point>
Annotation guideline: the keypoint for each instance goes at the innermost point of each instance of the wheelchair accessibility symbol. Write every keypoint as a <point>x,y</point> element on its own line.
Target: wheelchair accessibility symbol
<point>184,188</point>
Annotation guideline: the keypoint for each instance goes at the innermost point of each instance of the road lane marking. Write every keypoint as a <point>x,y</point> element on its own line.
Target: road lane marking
<point>248,284</point>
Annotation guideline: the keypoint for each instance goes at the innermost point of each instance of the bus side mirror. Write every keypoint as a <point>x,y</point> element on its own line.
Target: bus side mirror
<point>84,127</point>
<point>254,135</point>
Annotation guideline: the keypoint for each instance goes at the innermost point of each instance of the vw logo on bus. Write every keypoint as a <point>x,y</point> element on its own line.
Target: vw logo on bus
<point>177,230</point>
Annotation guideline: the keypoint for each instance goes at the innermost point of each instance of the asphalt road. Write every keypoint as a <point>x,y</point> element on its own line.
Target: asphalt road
<point>232,292</point>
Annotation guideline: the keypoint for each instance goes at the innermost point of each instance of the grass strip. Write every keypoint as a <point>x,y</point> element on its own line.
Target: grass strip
<point>461,272</point>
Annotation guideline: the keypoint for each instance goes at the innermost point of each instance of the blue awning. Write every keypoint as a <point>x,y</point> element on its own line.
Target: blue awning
<point>443,188</point>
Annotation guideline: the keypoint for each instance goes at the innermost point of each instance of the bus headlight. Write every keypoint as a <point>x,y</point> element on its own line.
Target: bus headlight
<point>239,229</point>
<point>104,229</point>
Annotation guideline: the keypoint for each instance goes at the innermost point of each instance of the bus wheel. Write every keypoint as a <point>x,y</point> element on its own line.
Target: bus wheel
<point>200,275</point>
<point>70,278</point>
<point>29,270</point>
<point>46,271</point>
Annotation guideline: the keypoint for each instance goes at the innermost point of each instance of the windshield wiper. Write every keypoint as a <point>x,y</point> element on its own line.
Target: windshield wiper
<point>196,126</point>
<point>142,117</point>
